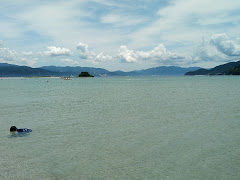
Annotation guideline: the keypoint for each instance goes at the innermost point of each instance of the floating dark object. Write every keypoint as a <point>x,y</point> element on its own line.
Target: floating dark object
<point>85,74</point>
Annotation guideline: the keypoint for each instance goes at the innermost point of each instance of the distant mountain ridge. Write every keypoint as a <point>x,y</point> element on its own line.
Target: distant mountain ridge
<point>231,68</point>
<point>161,70</point>
<point>10,70</point>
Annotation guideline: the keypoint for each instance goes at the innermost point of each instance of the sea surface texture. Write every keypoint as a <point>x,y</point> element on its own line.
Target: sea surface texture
<point>121,128</point>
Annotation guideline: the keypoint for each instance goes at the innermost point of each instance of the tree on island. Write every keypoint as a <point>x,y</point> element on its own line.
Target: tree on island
<point>85,74</point>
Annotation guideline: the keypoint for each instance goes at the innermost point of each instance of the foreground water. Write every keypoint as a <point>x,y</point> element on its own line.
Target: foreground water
<point>121,128</point>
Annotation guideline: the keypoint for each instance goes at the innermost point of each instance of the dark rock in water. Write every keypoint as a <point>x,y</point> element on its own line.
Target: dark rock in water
<point>85,74</point>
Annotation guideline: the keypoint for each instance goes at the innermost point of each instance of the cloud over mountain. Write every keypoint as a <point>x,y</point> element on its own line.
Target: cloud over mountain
<point>101,57</point>
<point>159,53</point>
<point>7,54</point>
<point>57,51</point>
<point>83,51</point>
<point>69,62</point>
<point>83,48</point>
<point>225,45</point>
<point>90,55</point>
<point>126,55</point>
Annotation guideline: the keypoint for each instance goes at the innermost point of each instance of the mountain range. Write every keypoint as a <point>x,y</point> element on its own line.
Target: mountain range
<point>10,70</point>
<point>231,68</point>
<point>156,71</point>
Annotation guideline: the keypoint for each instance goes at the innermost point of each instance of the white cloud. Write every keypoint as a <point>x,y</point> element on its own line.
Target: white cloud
<point>126,55</point>
<point>66,22</point>
<point>188,21</point>
<point>215,50</point>
<point>10,56</point>
<point>159,54</point>
<point>27,53</point>
<point>83,48</point>
<point>226,46</point>
<point>101,57</point>
<point>111,3</point>
<point>57,51</point>
<point>69,62</point>
<point>91,56</point>
<point>27,62</point>
<point>7,54</point>
<point>120,20</point>
<point>206,55</point>
<point>83,51</point>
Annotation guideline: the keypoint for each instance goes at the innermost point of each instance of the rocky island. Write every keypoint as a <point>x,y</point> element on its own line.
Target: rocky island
<point>85,74</point>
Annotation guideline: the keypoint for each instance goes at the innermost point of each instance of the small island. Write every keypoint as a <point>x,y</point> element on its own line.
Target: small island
<point>85,74</point>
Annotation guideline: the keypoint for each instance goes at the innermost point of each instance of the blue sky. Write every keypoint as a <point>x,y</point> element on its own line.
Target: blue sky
<point>120,34</point>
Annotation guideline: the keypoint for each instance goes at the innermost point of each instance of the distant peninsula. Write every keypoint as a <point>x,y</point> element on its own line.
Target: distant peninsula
<point>231,68</point>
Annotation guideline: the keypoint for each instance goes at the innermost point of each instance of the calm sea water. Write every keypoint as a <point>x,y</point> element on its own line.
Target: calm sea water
<point>121,128</point>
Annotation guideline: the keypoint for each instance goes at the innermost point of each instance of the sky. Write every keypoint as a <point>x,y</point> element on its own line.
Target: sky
<point>120,34</point>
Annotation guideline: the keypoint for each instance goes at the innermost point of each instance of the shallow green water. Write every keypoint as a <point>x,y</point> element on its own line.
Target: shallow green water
<point>121,128</point>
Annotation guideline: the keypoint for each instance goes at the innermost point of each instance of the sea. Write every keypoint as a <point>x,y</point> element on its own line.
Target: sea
<point>158,127</point>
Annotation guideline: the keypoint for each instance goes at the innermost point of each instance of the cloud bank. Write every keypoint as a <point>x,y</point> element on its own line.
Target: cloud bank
<point>7,54</point>
<point>226,46</point>
<point>11,56</point>
<point>218,48</point>
<point>159,53</point>
<point>57,51</point>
